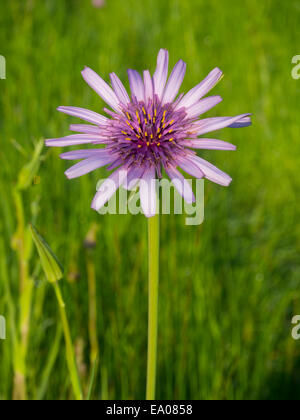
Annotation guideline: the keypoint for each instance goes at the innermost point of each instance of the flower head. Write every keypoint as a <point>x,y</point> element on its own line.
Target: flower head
<point>151,130</point>
<point>98,3</point>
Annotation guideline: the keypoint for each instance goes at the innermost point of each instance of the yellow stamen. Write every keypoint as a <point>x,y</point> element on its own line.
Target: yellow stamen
<point>128,115</point>
<point>148,144</point>
<point>154,120</point>
<point>146,134</point>
<point>155,112</point>
<point>158,144</point>
<point>164,117</point>
<point>128,138</point>
<point>171,122</point>
<point>160,136</point>
<point>144,111</point>
<point>138,136</point>
<point>124,132</point>
<point>129,124</point>
<point>139,146</point>
<point>171,139</point>
<point>171,131</point>
<point>158,130</point>
<point>151,136</point>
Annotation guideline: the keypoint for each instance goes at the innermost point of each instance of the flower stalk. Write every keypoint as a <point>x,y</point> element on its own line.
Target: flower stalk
<point>70,355</point>
<point>54,273</point>
<point>153,245</point>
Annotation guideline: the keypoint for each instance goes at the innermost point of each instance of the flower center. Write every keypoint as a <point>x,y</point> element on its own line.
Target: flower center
<point>148,132</point>
<point>148,127</point>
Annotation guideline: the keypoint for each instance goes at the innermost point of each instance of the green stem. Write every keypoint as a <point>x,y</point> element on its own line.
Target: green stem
<point>71,360</point>
<point>153,245</point>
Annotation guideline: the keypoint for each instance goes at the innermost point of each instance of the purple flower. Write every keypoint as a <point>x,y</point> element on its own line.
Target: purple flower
<point>98,3</point>
<point>147,132</point>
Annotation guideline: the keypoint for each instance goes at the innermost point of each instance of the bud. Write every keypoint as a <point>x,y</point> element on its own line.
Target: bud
<point>28,173</point>
<point>51,266</point>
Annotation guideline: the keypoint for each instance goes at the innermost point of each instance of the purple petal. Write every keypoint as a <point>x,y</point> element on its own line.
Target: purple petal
<point>136,85</point>
<point>161,73</point>
<point>148,82</point>
<point>200,90</point>
<point>109,187</point>
<point>134,175</point>
<point>213,124</point>
<point>102,88</point>
<point>211,172</point>
<point>84,114</point>
<point>189,167</point>
<point>243,122</point>
<point>87,165</point>
<point>119,89</point>
<point>85,128</point>
<point>174,82</point>
<point>73,140</point>
<point>209,144</point>
<point>203,106</point>
<point>117,162</point>
<point>83,154</point>
<point>148,192</point>
<point>181,184</point>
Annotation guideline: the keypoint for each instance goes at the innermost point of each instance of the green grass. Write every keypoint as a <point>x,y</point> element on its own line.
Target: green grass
<point>229,287</point>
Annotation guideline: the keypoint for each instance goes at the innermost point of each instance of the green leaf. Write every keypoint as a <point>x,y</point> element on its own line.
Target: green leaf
<point>51,266</point>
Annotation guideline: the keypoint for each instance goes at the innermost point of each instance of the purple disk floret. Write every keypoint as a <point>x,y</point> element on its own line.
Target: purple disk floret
<point>151,130</point>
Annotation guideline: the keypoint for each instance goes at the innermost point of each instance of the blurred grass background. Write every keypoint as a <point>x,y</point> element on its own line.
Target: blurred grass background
<point>229,287</point>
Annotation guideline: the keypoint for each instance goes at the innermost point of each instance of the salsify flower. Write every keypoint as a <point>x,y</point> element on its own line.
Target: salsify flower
<point>98,3</point>
<point>147,132</point>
